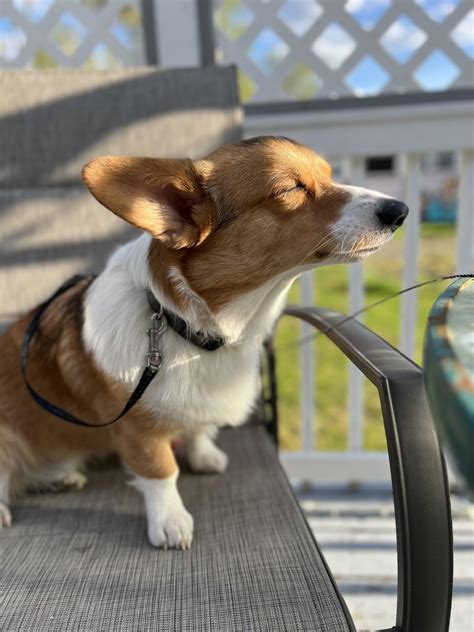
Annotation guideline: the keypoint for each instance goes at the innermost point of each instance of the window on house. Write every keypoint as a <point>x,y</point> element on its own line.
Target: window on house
<point>445,159</point>
<point>375,164</point>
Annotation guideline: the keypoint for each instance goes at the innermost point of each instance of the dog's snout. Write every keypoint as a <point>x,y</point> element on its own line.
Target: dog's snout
<point>392,213</point>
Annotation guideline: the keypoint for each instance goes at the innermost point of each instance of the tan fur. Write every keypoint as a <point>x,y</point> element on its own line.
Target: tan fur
<point>163,197</point>
<point>228,222</point>
<point>248,187</point>
<point>65,374</point>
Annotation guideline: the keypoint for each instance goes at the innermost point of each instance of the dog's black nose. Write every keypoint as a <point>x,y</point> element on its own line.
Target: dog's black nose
<point>392,213</point>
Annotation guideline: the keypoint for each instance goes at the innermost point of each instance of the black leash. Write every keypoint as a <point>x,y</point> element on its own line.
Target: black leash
<point>306,339</point>
<point>159,324</point>
<point>150,371</point>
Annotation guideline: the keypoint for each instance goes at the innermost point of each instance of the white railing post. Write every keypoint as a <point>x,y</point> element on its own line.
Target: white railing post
<point>465,228</point>
<point>412,173</point>
<point>307,367</point>
<point>356,302</point>
<point>177,28</point>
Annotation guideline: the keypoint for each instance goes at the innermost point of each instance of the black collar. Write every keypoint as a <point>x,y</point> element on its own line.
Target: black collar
<point>198,338</point>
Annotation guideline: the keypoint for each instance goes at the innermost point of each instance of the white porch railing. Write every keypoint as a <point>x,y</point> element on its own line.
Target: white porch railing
<point>352,134</point>
<point>290,50</point>
<point>305,49</point>
<point>286,51</point>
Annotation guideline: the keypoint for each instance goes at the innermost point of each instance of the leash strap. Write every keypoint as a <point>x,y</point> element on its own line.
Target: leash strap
<point>150,371</point>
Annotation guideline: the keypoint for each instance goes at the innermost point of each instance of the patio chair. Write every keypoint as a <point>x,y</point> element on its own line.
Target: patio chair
<point>81,560</point>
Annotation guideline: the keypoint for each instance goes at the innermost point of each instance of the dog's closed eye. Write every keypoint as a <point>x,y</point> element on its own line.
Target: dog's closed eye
<point>296,187</point>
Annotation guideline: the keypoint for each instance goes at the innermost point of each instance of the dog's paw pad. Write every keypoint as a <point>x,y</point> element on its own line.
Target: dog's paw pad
<point>5,516</point>
<point>174,531</point>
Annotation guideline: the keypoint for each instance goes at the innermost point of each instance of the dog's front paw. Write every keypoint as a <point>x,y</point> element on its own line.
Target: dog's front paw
<point>5,516</point>
<point>173,530</point>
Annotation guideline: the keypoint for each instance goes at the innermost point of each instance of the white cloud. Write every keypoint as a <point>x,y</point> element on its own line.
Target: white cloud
<point>438,9</point>
<point>334,45</point>
<point>11,44</point>
<point>445,8</point>
<point>403,36</point>
<point>34,9</point>
<point>463,33</point>
<point>354,6</point>
<point>300,16</point>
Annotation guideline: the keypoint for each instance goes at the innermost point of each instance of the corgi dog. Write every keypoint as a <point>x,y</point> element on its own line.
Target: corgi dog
<point>224,237</point>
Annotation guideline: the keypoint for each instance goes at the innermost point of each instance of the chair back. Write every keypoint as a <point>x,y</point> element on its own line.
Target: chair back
<point>54,121</point>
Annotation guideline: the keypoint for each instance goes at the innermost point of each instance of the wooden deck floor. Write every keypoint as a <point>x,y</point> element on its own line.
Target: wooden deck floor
<point>356,532</point>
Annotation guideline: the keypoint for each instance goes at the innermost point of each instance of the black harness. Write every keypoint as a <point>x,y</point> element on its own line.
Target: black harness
<point>160,319</point>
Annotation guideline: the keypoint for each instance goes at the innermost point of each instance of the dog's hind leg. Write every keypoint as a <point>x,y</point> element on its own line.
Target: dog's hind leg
<point>72,475</point>
<point>57,476</point>
<point>5,514</point>
<point>203,455</point>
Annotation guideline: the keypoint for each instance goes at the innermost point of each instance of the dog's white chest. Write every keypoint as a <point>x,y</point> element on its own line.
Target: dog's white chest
<point>194,387</point>
<point>205,387</point>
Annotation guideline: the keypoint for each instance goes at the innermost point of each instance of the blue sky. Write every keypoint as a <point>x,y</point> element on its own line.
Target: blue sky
<point>334,45</point>
<point>12,39</point>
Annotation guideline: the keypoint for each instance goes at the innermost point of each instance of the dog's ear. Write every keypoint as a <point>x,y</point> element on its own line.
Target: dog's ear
<point>165,197</point>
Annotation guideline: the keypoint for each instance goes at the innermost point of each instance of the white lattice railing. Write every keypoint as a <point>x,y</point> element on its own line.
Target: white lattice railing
<point>70,33</point>
<point>400,36</point>
<point>304,49</point>
<point>347,137</point>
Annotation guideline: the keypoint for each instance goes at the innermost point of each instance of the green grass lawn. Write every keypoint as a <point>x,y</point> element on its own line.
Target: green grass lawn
<point>382,276</point>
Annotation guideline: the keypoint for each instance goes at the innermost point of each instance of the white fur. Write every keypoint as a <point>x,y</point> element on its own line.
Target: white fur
<point>196,388</point>
<point>169,524</point>
<point>197,312</point>
<point>56,475</point>
<point>5,486</point>
<point>204,456</point>
<point>359,221</point>
<point>5,515</point>
<point>74,479</point>
<point>24,471</point>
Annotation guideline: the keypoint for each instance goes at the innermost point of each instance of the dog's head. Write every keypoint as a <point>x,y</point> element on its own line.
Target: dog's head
<point>243,215</point>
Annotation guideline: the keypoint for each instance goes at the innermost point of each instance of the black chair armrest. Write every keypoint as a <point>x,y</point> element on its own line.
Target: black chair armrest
<point>418,472</point>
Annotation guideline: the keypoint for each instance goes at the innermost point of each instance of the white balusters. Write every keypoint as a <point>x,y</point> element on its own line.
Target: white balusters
<point>412,173</point>
<point>307,365</point>
<point>465,229</point>
<point>356,302</point>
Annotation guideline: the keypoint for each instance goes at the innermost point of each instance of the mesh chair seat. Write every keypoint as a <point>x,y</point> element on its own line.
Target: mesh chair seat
<point>80,560</point>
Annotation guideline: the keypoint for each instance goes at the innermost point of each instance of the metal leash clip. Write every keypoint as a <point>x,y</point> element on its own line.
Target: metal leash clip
<point>159,325</point>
